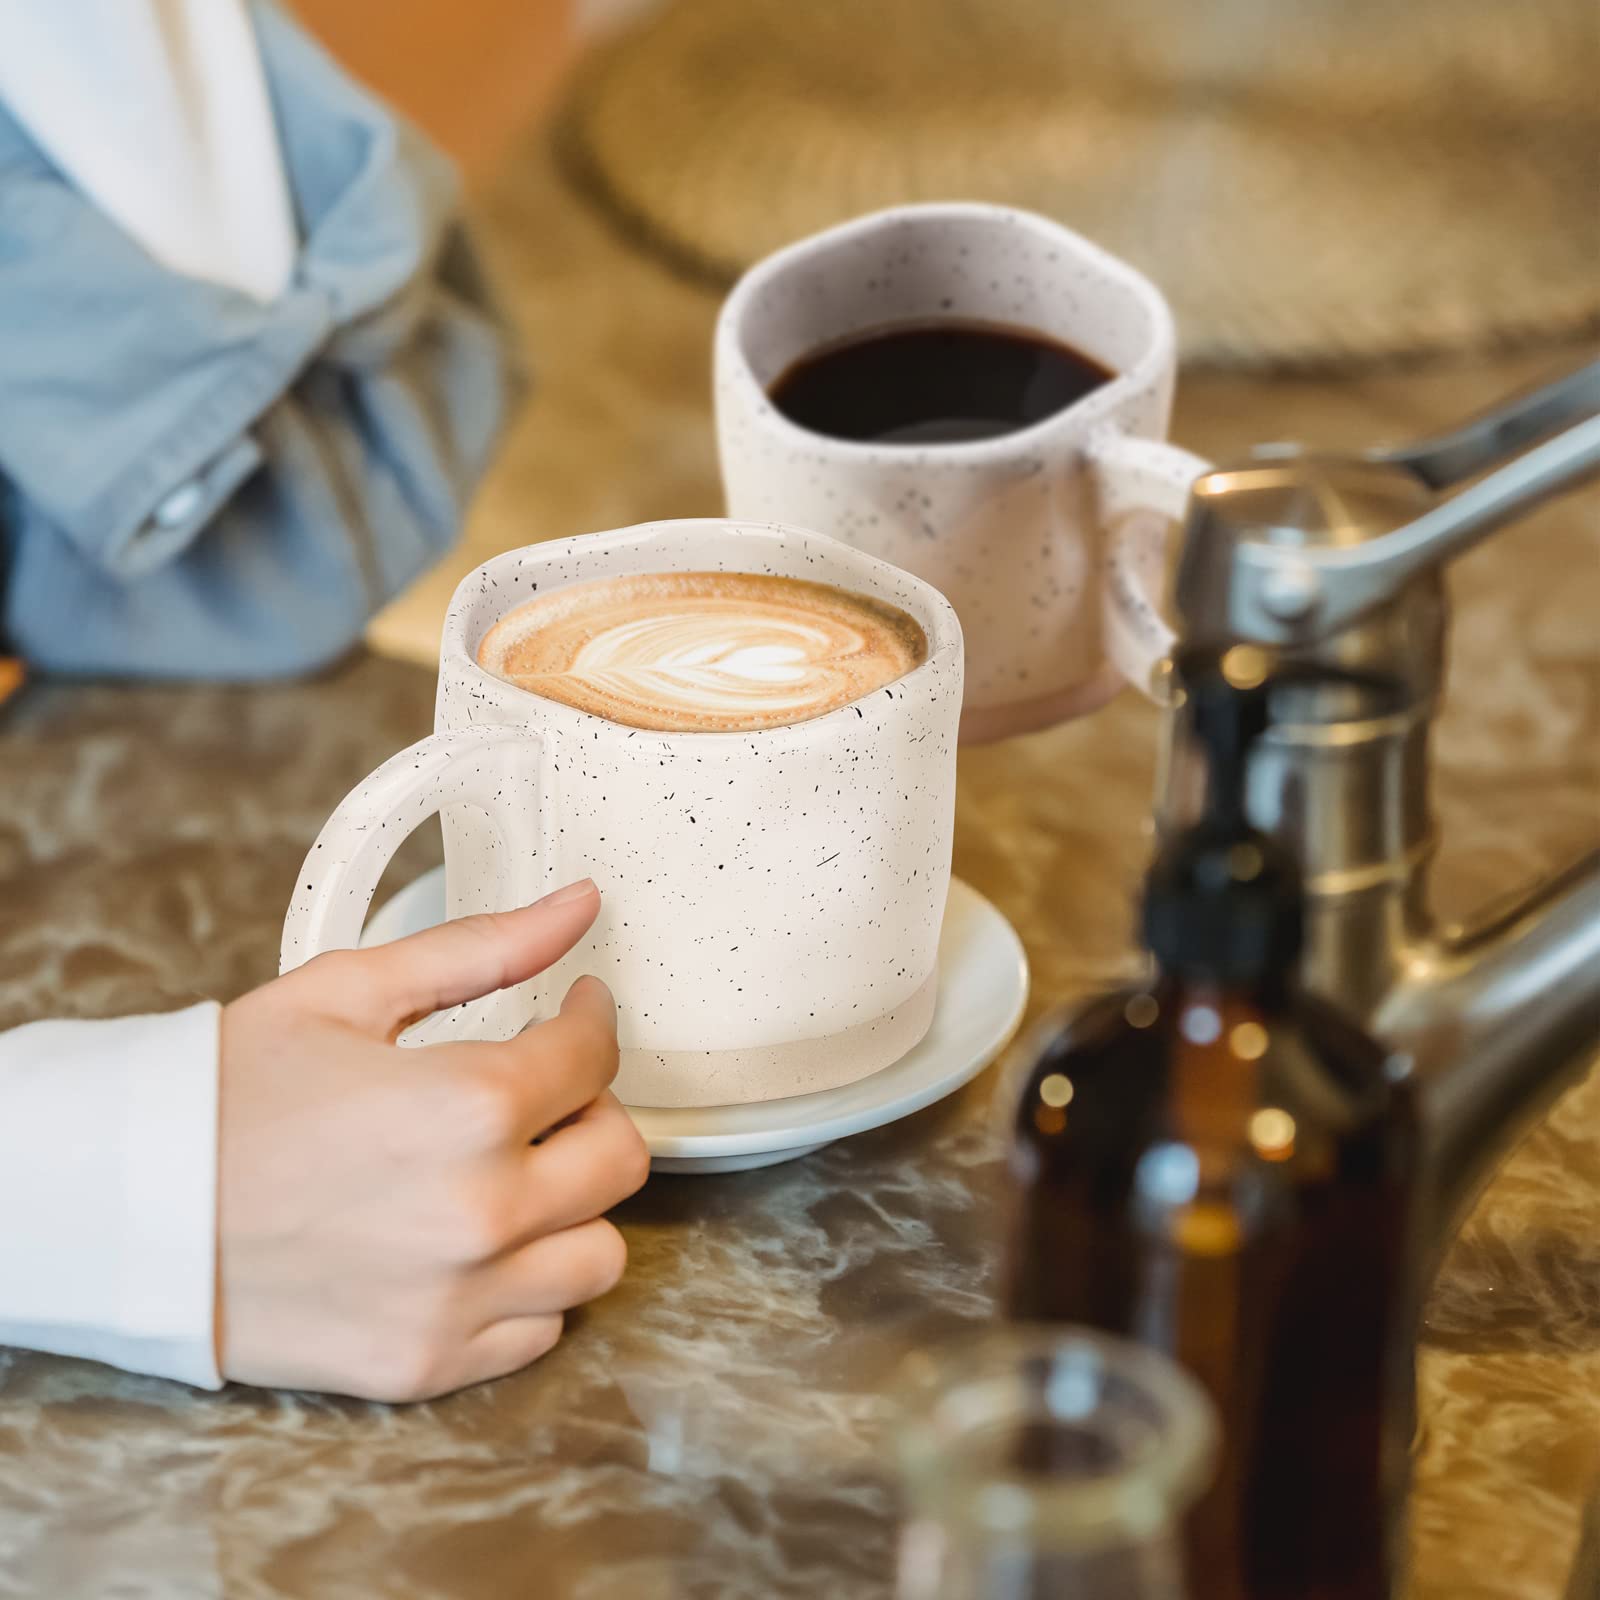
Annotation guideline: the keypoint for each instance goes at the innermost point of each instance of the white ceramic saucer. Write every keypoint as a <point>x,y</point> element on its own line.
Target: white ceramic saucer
<point>983,987</point>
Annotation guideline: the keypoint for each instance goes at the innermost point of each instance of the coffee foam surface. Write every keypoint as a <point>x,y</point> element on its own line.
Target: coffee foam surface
<point>703,651</point>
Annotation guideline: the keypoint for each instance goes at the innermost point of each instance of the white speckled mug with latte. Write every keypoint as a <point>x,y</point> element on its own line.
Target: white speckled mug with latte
<point>772,897</point>
<point>1049,538</point>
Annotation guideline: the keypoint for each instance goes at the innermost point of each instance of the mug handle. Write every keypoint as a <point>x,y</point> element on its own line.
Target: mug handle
<point>492,769</point>
<point>1134,475</point>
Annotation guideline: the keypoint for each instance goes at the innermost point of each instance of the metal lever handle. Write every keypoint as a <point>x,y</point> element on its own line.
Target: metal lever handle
<point>1499,434</point>
<point>1484,441</point>
<point>1287,596</point>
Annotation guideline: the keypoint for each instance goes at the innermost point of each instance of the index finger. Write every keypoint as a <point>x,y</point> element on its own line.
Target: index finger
<point>390,986</point>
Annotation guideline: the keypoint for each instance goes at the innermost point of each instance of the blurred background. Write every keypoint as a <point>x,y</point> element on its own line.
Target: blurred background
<point>1326,191</point>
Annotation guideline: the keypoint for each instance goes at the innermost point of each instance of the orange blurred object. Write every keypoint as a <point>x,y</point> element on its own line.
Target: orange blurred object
<point>11,676</point>
<point>471,72</point>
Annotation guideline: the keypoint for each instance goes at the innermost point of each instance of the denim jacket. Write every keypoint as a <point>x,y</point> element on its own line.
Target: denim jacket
<point>193,484</point>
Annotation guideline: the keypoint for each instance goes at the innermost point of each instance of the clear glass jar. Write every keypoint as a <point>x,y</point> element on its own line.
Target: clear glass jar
<point>1048,1464</point>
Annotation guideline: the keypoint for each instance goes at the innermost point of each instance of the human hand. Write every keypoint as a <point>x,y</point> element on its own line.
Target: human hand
<point>385,1228</point>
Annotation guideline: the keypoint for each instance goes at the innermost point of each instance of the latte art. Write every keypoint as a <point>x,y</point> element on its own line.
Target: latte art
<point>708,652</point>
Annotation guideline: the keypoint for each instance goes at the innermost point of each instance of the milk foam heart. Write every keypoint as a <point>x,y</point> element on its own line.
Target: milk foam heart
<point>703,651</point>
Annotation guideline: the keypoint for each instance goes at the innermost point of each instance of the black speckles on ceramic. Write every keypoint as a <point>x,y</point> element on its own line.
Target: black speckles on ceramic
<point>1008,528</point>
<point>772,899</point>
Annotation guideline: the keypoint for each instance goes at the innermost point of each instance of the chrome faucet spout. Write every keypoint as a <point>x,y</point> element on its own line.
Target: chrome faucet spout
<point>1497,1023</point>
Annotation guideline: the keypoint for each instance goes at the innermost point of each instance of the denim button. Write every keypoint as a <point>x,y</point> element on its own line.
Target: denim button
<point>180,505</point>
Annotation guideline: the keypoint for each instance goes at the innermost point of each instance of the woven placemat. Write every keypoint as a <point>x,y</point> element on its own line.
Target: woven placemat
<point>1312,185</point>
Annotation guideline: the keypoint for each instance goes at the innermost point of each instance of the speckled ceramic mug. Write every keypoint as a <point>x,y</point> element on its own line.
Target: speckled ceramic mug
<point>772,898</point>
<point>1050,540</point>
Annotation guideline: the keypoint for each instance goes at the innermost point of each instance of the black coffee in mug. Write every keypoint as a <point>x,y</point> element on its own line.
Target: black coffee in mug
<point>934,383</point>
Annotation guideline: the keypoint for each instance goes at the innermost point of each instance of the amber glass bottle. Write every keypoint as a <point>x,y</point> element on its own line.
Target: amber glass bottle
<point>1221,1166</point>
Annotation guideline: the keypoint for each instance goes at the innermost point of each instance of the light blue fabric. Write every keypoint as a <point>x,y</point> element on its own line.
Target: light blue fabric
<point>196,485</point>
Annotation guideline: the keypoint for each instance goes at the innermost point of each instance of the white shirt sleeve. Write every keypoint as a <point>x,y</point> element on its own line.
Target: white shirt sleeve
<point>108,1180</point>
<point>158,110</point>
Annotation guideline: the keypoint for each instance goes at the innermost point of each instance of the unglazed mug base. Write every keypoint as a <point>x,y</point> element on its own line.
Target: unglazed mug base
<point>989,724</point>
<point>665,1079</point>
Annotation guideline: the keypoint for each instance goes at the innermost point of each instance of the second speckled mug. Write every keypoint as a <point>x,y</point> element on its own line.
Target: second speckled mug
<point>772,898</point>
<point>1050,539</point>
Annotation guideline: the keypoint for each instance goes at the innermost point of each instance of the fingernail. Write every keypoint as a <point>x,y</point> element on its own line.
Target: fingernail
<point>580,890</point>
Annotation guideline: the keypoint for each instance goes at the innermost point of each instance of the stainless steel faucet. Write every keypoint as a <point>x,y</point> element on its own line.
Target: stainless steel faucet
<point>1336,560</point>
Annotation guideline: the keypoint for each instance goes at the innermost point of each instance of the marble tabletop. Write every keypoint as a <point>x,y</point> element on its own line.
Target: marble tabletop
<point>713,1429</point>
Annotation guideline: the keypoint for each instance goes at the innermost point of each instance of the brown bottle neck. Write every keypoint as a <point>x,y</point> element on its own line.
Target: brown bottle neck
<point>1268,994</point>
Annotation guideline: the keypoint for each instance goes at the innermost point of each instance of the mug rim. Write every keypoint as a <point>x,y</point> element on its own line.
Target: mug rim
<point>1089,411</point>
<point>943,635</point>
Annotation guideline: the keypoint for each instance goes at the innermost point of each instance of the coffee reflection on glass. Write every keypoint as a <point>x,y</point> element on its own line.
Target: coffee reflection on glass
<point>708,652</point>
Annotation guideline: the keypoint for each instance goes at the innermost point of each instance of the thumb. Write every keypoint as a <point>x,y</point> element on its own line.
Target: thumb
<point>591,1003</point>
<point>465,958</point>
